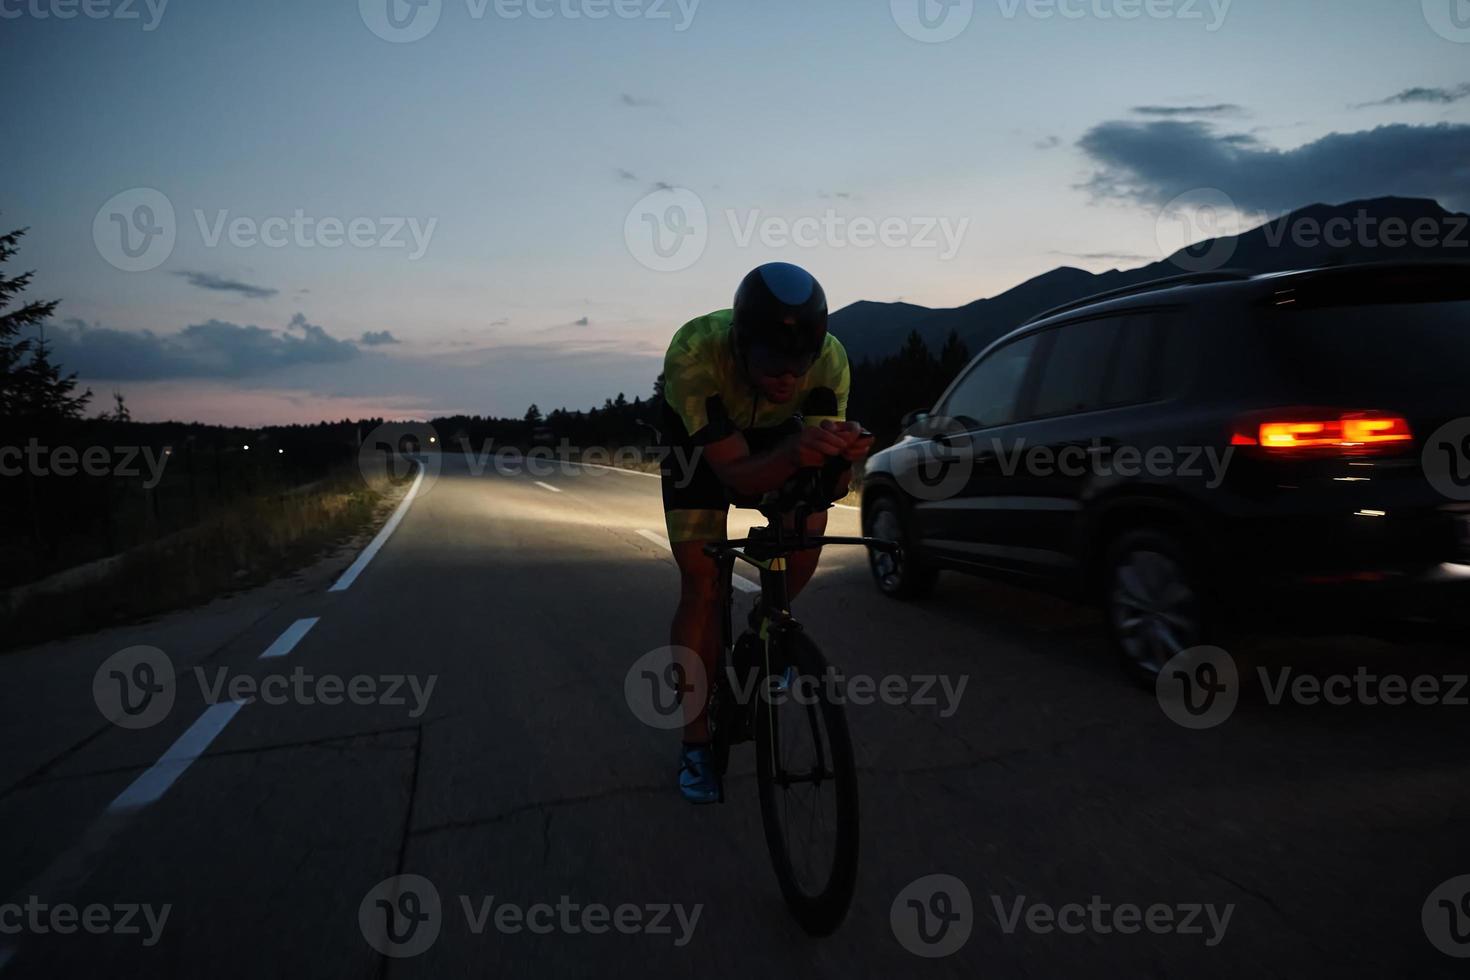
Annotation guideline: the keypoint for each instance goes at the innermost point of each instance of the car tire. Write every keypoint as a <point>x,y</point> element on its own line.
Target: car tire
<point>1157,600</point>
<point>905,575</point>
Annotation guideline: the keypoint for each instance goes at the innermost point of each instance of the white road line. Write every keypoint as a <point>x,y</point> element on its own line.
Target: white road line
<point>656,538</point>
<point>355,569</point>
<point>615,469</point>
<point>150,787</point>
<point>547,486</point>
<point>287,641</point>
<point>739,581</point>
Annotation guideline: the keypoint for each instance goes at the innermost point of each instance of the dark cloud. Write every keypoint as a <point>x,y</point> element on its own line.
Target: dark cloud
<point>626,174</point>
<point>376,338</point>
<point>1171,111</point>
<point>1430,96</point>
<point>662,185</point>
<point>215,349</point>
<point>634,102</point>
<point>1155,162</point>
<point>207,280</point>
<point>1048,143</point>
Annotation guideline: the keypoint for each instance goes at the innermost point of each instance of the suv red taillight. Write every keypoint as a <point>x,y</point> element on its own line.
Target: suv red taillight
<point>1310,431</point>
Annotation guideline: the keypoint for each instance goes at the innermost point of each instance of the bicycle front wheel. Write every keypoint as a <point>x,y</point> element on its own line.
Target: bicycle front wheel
<point>808,788</point>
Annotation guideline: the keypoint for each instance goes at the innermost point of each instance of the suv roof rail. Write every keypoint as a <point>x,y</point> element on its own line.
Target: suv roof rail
<point>1153,285</point>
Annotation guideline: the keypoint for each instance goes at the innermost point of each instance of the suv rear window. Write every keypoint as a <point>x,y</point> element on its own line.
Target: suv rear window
<point>1394,351</point>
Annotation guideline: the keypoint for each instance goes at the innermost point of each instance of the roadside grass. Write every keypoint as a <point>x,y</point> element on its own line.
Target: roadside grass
<point>245,544</point>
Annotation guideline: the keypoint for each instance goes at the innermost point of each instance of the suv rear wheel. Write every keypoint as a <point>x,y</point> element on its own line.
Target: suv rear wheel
<point>1156,602</point>
<point>900,576</point>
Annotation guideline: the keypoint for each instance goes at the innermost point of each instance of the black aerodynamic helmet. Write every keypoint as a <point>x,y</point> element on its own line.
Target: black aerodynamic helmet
<point>781,310</point>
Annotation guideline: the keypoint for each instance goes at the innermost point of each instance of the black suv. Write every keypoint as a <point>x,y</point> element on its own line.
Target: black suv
<point>1204,451</point>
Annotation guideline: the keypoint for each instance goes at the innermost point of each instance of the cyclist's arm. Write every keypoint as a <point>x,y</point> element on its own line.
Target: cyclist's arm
<point>754,474</point>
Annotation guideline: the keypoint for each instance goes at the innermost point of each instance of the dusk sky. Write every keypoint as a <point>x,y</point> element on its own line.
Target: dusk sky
<point>487,184</point>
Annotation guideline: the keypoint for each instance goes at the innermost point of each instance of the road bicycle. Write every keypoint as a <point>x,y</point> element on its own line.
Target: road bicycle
<point>772,687</point>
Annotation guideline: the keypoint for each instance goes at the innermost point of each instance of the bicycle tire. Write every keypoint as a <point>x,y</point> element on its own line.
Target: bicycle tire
<point>819,910</point>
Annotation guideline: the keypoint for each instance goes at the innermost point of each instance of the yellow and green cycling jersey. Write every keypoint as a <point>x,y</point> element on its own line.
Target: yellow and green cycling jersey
<point>706,389</point>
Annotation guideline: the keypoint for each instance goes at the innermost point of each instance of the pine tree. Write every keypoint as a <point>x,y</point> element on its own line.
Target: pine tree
<point>31,384</point>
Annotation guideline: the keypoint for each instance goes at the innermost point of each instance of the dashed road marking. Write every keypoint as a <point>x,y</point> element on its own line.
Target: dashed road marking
<point>287,641</point>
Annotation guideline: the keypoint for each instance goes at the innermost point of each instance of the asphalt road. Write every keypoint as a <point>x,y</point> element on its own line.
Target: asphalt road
<point>523,777</point>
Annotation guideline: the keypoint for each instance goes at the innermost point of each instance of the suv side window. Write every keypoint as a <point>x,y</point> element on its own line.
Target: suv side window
<point>987,396</point>
<point>1133,378</point>
<point>1075,368</point>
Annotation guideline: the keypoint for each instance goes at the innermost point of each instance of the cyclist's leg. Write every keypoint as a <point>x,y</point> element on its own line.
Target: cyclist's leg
<point>695,506</point>
<point>696,626</point>
<point>803,564</point>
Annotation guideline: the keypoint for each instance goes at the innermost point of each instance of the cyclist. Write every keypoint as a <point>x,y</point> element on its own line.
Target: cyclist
<point>751,395</point>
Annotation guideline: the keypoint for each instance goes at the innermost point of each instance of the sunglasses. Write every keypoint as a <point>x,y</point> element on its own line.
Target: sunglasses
<point>768,362</point>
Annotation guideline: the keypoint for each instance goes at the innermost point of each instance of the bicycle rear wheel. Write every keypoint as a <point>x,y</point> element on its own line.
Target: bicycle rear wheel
<point>808,790</point>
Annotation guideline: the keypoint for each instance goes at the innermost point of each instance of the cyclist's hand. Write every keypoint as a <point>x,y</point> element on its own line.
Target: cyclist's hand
<point>817,444</point>
<point>861,442</point>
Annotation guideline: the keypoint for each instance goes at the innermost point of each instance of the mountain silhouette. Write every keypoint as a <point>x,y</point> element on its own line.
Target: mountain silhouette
<point>878,329</point>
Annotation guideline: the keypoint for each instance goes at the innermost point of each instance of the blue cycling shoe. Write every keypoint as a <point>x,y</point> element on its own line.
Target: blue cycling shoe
<point>698,781</point>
